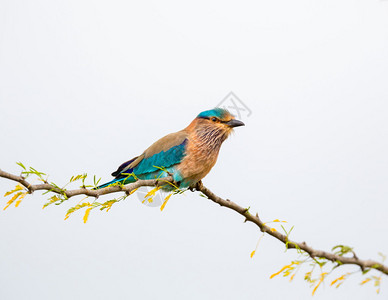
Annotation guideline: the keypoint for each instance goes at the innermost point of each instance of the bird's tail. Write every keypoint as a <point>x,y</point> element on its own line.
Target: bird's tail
<point>116,180</point>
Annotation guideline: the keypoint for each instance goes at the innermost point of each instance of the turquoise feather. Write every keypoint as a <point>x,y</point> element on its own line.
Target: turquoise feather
<point>215,112</point>
<point>163,159</point>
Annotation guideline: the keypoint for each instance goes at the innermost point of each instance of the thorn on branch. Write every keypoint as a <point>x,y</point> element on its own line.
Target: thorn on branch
<point>246,210</point>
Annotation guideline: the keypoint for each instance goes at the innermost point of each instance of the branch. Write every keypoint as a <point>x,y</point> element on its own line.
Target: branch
<point>363,264</point>
<point>313,253</point>
<point>84,191</point>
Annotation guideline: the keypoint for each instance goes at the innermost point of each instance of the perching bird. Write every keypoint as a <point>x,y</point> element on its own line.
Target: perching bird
<point>188,155</point>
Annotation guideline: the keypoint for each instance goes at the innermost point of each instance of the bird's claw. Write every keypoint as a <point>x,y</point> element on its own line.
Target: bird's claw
<point>197,187</point>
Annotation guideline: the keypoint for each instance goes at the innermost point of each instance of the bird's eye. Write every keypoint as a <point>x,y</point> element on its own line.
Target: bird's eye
<point>214,119</point>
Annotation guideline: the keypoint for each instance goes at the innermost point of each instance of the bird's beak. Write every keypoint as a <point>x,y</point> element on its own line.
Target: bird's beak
<point>234,123</point>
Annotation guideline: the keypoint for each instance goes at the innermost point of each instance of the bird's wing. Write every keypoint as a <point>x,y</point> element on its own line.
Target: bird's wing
<point>124,167</point>
<point>165,152</point>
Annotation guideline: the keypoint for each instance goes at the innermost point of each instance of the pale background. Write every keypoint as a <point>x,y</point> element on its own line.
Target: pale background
<point>86,85</point>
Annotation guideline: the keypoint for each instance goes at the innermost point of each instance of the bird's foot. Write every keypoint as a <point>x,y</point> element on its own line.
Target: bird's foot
<point>197,187</point>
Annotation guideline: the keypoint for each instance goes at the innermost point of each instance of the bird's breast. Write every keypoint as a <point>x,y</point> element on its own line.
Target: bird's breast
<point>199,160</point>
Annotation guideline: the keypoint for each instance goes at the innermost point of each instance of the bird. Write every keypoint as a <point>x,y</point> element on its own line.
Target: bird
<point>187,155</point>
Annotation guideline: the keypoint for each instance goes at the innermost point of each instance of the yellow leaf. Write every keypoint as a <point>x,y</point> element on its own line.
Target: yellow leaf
<point>133,191</point>
<point>277,220</point>
<point>12,200</point>
<point>281,270</point>
<point>17,188</point>
<point>365,281</point>
<point>109,205</point>
<point>152,192</point>
<point>257,245</point>
<point>319,282</point>
<point>165,201</point>
<point>20,199</point>
<point>377,282</point>
<point>334,281</point>
<point>314,290</point>
<point>338,279</point>
<point>52,200</point>
<point>339,284</point>
<point>9,193</point>
<point>77,207</point>
<point>273,229</point>
<point>292,277</point>
<point>307,276</point>
<point>87,212</point>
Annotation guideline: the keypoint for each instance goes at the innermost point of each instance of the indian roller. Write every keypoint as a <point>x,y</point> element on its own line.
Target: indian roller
<point>188,155</point>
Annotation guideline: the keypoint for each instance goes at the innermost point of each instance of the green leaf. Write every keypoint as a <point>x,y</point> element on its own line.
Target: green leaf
<point>96,181</point>
<point>21,165</point>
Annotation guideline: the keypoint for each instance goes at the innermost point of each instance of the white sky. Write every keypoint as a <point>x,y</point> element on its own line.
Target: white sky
<point>86,85</point>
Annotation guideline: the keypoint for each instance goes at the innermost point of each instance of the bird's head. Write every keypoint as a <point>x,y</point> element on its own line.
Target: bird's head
<point>215,122</point>
<point>219,118</point>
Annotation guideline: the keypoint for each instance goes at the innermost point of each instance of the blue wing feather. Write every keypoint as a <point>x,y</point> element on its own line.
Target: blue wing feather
<point>163,159</point>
